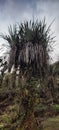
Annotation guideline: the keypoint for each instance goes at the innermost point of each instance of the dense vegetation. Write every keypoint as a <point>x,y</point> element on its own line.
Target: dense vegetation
<point>30,93</point>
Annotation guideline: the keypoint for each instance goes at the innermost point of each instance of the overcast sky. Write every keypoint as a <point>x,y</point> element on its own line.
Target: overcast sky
<point>16,11</point>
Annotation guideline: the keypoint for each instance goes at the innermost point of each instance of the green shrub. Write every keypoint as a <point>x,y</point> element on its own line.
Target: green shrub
<point>41,110</point>
<point>55,107</point>
<point>1,127</point>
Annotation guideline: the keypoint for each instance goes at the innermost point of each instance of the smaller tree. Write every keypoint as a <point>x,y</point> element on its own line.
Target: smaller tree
<point>3,68</point>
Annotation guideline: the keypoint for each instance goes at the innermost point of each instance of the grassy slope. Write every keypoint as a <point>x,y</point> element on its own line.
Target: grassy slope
<point>9,108</point>
<point>8,116</point>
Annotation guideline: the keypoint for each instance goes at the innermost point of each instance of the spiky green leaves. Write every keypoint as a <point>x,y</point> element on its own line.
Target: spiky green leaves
<point>27,40</point>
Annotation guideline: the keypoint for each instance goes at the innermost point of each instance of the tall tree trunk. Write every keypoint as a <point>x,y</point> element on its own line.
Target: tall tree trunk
<point>14,79</point>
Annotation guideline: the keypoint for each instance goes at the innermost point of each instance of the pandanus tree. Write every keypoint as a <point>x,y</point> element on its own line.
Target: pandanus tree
<point>29,45</point>
<point>36,41</point>
<point>29,49</point>
<point>13,39</point>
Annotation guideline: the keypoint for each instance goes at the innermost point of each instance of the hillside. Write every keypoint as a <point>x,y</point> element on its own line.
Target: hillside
<point>45,112</point>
